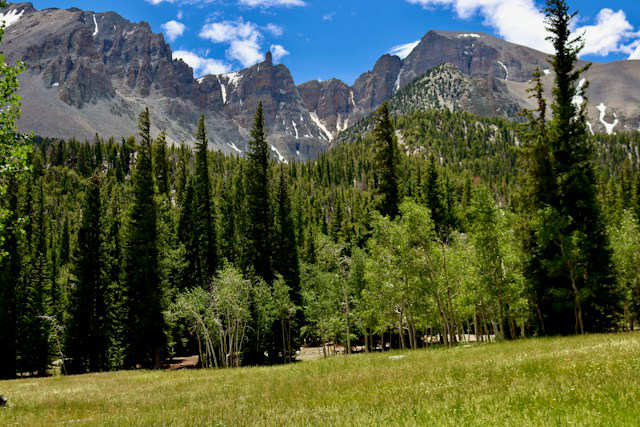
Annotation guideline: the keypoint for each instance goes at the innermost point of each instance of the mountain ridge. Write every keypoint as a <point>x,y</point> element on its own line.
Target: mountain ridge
<point>93,72</point>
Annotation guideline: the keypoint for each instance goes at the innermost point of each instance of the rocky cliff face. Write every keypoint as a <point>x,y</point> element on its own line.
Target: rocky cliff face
<point>495,73</point>
<point>94,72</point>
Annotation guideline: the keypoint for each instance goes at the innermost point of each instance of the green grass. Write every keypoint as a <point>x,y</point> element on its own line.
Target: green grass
<point>591,380</point>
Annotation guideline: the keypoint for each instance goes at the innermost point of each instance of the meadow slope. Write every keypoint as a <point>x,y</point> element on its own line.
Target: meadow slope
<point>590,380</point>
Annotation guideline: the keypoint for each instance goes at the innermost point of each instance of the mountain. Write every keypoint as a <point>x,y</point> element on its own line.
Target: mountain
<point>93,73</point>
<point>496,75</point>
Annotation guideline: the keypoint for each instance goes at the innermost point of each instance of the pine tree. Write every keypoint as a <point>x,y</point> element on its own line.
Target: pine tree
<point>227,226</point>
<point>188,238</point>
<point>204,223</point>
<point>161,164</point>
<point>434,197</point>
<point>144,296</point>
<point>258,254</point>
<point>563,187</point>
<point>86,341</point>
<point>285,260</point>
<point>112,276</point>
<point>33,345</point>
<point>388,158</point>
<point>9,277</point>
<point>65,243</point>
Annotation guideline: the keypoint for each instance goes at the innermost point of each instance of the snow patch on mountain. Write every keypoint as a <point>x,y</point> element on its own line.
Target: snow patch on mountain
<point>590,128</point>
<point>223,90</point>
<point>11,17</point>
<point>342,126</point>
<point>469,36</point>
<point>506,70</point>
<point>95,22</point>
<point>316,120</point>
<point>234,78</point>
<point>56,84</point>
<point>280,156</point>
<point>608,126</point>
<point>396,86</point>
<point>235,148</point>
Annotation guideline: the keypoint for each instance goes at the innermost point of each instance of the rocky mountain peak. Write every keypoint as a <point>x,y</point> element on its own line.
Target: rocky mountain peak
<point>94,72</point>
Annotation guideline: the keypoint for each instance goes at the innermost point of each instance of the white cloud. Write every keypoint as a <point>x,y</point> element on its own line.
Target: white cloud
<point>278,52</point>
<point>173,29</point>
<point>274,29</point>
<point>247,52</point>
<point>180,14</point>
<point>227,31</point>
<point>636,54</point>
<point>201,66</point>
<point>607,34</point>
<point>521,22</point>
<point>243,38</point>
<point>404,50</point>
<point>272,3</point>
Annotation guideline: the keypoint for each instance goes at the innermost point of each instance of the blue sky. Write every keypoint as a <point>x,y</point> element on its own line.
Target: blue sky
<point>321,39</point>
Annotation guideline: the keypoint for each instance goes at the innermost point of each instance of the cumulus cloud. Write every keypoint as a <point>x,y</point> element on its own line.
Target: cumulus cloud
<point>247,52</point>
<point>521,22</point>
<point>404,50</point>
<point>227,31</point>
<point>636,54</point>
<point>607,34</point>
<point>173,29</point>
<point>243,39</point>
<point>278,52</point>
<point>201,65</point>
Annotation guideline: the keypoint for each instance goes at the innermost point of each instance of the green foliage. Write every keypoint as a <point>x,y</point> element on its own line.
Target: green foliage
<point>258,233</point>
<point>203,210</point>
<point>87,339</point>
<point>388,160</point>
<point>145,330</point>
<point>570,266</point>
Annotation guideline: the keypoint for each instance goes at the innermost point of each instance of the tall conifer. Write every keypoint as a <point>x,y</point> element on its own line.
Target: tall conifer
<point>144,296</point>
<point>87,341</point>
<point>204,222</point>
<point>9,276</point>
<point>258,254</point>
<point>388,158</point>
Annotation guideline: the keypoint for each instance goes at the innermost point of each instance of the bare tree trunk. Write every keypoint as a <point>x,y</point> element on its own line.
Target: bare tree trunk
<point>400,331</point>
<point>578,306</point>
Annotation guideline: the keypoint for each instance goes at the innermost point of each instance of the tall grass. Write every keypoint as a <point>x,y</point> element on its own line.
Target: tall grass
<point>589,380</point>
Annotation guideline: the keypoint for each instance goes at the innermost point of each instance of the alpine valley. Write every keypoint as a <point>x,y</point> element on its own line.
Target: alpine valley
<point>91,73</point>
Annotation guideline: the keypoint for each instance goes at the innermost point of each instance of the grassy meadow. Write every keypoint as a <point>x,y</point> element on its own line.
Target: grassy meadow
<point>589,380</point>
